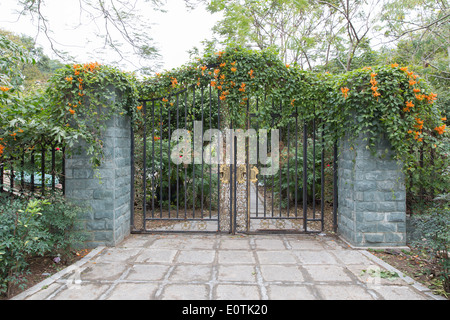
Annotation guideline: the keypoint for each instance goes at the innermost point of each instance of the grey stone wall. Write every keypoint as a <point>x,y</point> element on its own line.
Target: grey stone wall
<point>104,193</point>
<point>372,195</point>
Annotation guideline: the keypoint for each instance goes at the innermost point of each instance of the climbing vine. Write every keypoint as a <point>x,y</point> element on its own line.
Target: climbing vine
<point>382,100</point>
<point>84,96</point>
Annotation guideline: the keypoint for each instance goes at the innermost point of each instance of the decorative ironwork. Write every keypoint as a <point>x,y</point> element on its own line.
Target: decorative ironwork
<point>225,173</point>
<point>254,175</point>
<point>237,196</point>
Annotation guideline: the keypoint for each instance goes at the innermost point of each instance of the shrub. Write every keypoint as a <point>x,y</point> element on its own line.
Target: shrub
<point>433,236</point>
<point>31,228</point>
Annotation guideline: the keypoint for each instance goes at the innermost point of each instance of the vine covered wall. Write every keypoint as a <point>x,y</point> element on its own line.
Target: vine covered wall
<point>390,100</point>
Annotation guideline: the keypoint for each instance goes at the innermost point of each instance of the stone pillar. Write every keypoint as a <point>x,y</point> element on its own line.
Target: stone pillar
<point>104,193</point>
<point>372,195</point>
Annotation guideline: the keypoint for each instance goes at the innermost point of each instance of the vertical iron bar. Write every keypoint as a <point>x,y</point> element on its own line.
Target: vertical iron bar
<point>314,167</point>
<point>133,172</point>
<point>273,173</point>
<point>53,167</point>
<point>280,137</point>
<point>160,160</point>
<point>32,171</point>
<point>22,174</point>
<point>335,186</point>
<point>178,166</point>
<point>193,158</point>
<point>235,185</point>
<point>288,167</point>
<point>144,161</point>
<point>421,164</point>
<point>249,193</point>
<point>1,176</point>
<point>305,183</point>
<point>296,161</point>
<point>169,182</point>
<point>11,177</point>
<point>43,169</point>
<point>219,152</point>
<point>210,153</point>
<point>152,175</point>
<point>257,155</point>
<point>201,150</point>
<point>322,178</point>
<point>63,177</point>
<point>231,177</point>
<point>185,167</point>
<point>433,172</point>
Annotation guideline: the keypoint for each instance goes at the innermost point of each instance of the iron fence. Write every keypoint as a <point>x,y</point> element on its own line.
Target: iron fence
<point>33,171</point>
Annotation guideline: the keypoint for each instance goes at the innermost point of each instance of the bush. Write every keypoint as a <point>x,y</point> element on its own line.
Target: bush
<point>30,228</point>
<point>433,236</point>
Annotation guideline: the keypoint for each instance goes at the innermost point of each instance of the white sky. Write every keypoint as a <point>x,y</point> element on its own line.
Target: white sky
<point>174,32</point>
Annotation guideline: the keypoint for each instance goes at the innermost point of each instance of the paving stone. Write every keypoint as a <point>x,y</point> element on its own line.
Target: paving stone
<point>168,243</point>
<point>118,255</point>
<point>185,292</point>
<point>315,257</point>
<point>133,291</point>
<point>327,273</point>
<point>45,292</point>
<point>156,256</point>
<point>237,292</point>
<point>235,257</point>
<point>200,243</point>
<point>397,293</point>
<point>196,256</point>
<point>269,244</point>
<point>147,272</point>
<point>276,257</point>
<point>103,271</point>
<point>83,291</point>
<point>236,273</point>
<point>305,245</point>
<point>135,241</point>
<point>343,292</point>
<point>278,292</point>
<point>187,273</point>
<point>352,257</point>
<point>224,267</point>
<point>235,244</point>
<point>281,273</point>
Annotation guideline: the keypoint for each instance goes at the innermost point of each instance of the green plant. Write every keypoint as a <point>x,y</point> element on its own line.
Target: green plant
<point>31,228</point>
<point>74,106</point>
<point>433,237</point>
<point>291,167</point>
<point>391,101</point>
<point>194,185</point>
<point>383,274</point>
<point>21,235</point>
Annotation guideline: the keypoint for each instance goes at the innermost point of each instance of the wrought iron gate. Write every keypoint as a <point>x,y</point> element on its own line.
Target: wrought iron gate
<point>212,185</point>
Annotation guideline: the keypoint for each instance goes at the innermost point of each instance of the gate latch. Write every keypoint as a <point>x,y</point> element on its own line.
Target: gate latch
<point>241,174</point>
<point>225,173</point>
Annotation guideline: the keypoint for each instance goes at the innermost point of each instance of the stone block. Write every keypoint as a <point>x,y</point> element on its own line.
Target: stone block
<point>106,192</point>
<point>374,212</point>
<point>374,237</point>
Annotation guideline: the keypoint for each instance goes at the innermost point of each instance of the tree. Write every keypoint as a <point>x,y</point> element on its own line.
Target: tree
<point>308,33</point>
<point>33,73</point>
<point>292,26</point>
<point>120,24</point>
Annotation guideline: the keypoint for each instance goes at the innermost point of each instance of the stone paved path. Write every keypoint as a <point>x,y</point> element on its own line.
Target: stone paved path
<point>225,267</point>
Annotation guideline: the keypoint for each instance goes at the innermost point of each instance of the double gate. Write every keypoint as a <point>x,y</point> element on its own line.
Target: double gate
<point>195,171</point>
